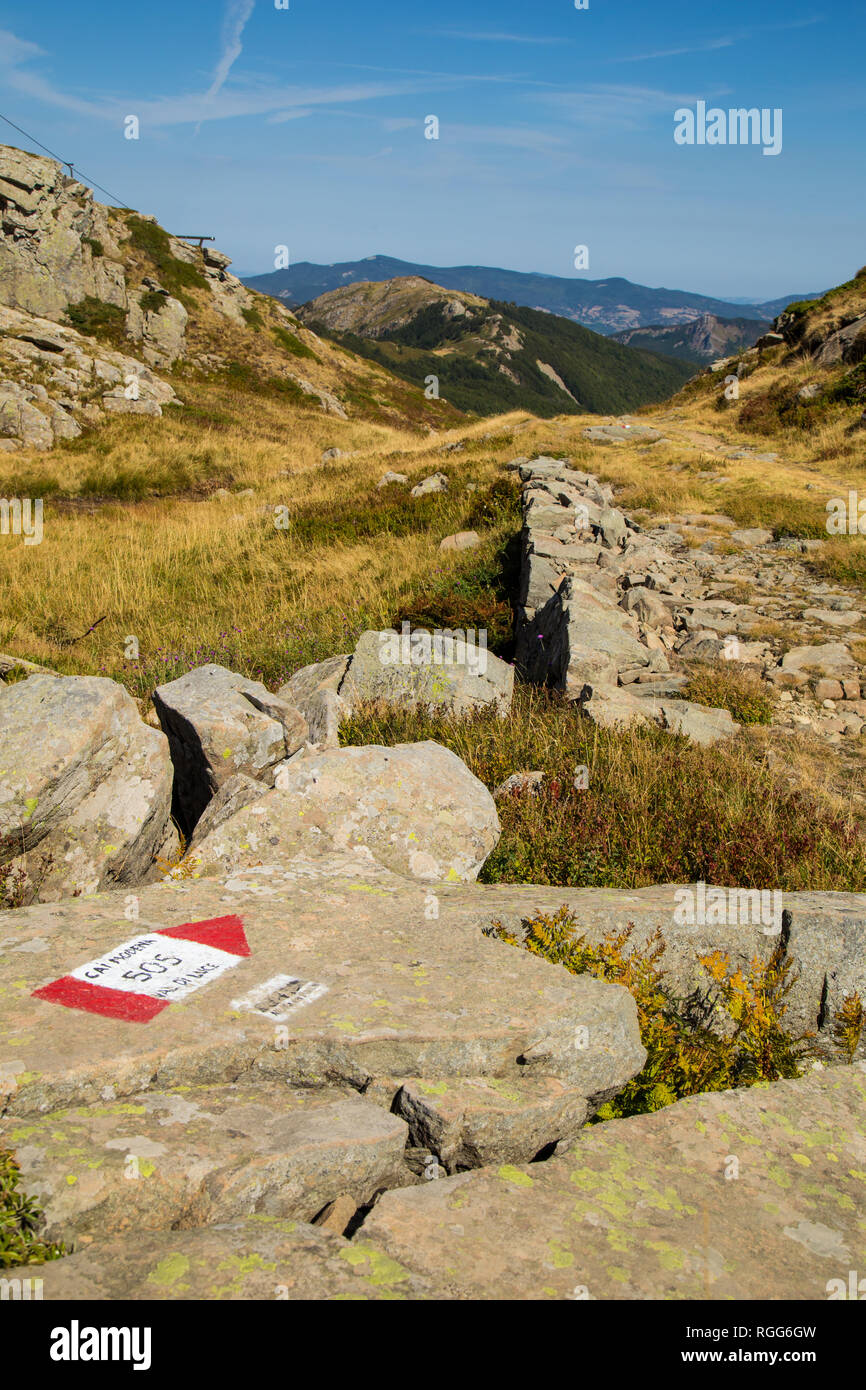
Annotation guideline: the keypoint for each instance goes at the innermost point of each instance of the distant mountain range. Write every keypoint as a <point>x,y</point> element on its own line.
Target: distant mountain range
<point>703,340</point>
<point>607,306</point>
<point>487,356</point>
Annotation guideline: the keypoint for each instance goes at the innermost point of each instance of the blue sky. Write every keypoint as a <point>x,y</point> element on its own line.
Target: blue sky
<point>305,127</point>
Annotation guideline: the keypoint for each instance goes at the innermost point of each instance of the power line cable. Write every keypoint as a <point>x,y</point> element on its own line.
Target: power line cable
<point>65,162</point>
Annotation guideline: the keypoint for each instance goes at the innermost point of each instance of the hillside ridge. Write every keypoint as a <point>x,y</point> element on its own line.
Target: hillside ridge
<point>487,356</point>
<point>608,306</point>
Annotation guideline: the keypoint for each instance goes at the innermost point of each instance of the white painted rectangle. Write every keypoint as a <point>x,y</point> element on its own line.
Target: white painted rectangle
<point>162,967</point>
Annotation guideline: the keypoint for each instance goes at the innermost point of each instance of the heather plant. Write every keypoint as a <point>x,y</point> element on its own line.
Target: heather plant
<point>731,1034</point>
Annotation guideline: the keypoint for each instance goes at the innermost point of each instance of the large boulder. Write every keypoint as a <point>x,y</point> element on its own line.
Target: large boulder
<point>85,798</point>
<point>414,808</point>
<point>313,690</point>
<point>446,672</point>
<point>220,723</point>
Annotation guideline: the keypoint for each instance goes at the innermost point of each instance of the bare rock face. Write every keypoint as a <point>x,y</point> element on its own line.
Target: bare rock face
<point>160,331</point>
<point>640,1187</point>
<point>414,808</point>
<point>219,724</point>
<point>86,381</point>
<point>50,228</point>
<point>86,789</point>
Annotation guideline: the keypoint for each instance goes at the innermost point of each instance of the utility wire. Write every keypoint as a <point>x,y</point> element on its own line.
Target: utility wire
<point>64,162</point>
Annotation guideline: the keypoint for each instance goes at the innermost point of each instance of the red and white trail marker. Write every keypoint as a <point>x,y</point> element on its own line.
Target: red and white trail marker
<point>142,976</point>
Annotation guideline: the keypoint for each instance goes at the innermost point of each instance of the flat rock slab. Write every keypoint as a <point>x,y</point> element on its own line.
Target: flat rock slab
<point>748,1194</point>
<point>347,977</point>
<point>262,1258</point>
<point>196,1156</point>
<point>825,932</point>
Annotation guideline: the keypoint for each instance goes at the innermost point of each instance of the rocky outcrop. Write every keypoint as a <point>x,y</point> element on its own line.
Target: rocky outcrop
<point>220,724</point>
<point>608,606</point>
<point>56,243</point>
<point>641,1208</point>
<point>414,808</point>
<point>330,980</point>
<point>86,789</point>
<point>590,618</point>
<point>55,381</point>
<point>446,672</point>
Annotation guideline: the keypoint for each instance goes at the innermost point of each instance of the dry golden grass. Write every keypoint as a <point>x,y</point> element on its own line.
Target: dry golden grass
<point>192,576</point>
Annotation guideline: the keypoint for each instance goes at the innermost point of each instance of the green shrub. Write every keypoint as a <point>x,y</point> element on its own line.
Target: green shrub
<point>96,247</point>
<point>152,302</point>
<point>154,243</point>
<point>97,319</point>
<point>253,318</point>
<point>292,344</point>
<point>20,1220</point>
<point>686,1056</point>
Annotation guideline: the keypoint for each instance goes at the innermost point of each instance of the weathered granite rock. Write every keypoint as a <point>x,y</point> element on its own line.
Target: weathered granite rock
<point>391,477</point>
<point>85,794</point>
<point>162,332</point>
<point>85,380</point>
<point>751,1194</point>
<point>447,672</point>
<point>579,639</point>
<point>262,1258</point>
<point>697,722</point>
<point>831,659</point>
<point>415,808</point>
<point>197,1155</point>
<point>349,977</point>
<point>647,607</point>
<point>313,690</point>
<point>232,796</point>
<point>481,1119</point>
<point>220,723</point>
<point>437,482</point>
<point>461,540</point>
<point>752,536</point>
<point>50,223</point>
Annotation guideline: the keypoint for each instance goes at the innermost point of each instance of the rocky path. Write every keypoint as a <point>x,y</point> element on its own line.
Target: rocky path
<point>612,612</point>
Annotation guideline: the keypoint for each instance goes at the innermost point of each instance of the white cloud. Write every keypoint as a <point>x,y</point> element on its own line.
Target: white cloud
<point>234,22</point>
<point>14,50</point>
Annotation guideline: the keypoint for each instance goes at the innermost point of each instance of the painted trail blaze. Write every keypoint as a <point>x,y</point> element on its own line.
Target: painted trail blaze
<point>142,976</point>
